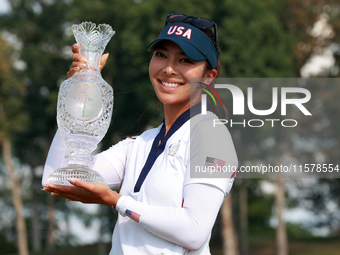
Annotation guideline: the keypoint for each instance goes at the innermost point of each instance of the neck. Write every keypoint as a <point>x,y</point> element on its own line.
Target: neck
<point>172,112</point>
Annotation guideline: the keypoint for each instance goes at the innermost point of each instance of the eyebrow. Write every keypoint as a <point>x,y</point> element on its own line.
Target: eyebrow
<point>161,47</point>
<point>166,49</point>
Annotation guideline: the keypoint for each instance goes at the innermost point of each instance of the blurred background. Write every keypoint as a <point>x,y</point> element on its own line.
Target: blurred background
<point>258,38</point>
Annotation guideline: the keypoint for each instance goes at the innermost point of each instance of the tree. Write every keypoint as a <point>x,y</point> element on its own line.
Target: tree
<point>243,204</point>
<point>11,119</point>
<point>230,241</point>
<point>39,27</point>
<point>281,233</point>
<point>300,19</point>
<point>258,39</point>
<point>254,44</point>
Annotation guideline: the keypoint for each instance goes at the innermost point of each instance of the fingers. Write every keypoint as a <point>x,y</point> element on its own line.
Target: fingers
<point>82,191</point>
<point>81,184</point>
<point>79,61</point>
<point>103,61</point>
<point>75,48</point>
<point>59,189</point>
<point>77,58</point>
<point>55,194</point>
<point>71,193</point>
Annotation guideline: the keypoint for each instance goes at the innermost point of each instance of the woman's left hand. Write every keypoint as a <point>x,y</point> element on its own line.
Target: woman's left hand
<point>89,193</point>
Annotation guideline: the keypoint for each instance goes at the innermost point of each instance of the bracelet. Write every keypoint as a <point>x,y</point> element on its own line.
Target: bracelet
<point>113,208</point>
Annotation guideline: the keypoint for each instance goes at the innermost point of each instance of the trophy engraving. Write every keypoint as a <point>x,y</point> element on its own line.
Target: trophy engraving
<point>83,101</point>
<point>84,110</point>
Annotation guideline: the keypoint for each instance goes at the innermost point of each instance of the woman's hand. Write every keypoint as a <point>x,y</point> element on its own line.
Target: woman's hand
<point>79,61</point>
<point>89,193</point>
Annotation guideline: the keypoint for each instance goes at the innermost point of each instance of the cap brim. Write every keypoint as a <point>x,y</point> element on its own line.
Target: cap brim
<point>187,48</point>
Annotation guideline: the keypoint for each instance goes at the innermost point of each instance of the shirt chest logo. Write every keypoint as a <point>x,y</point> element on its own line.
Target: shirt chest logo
<point>173,148</point>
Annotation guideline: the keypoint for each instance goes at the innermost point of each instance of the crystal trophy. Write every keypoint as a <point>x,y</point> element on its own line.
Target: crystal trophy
<point>85,103</point>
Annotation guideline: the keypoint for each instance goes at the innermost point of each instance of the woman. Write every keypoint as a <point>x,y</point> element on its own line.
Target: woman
<point>162,210</point>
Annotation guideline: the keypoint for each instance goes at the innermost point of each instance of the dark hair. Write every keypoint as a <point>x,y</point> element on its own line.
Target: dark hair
<point>210,33</point>
<point>222,110</point>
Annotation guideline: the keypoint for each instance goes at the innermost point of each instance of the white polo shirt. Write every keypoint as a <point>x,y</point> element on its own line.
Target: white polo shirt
<point>154,171</point>
<point>166,206</point>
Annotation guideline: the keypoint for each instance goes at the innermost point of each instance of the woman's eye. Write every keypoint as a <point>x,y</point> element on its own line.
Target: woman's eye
<point>187,60</point>
<point>160,54</point>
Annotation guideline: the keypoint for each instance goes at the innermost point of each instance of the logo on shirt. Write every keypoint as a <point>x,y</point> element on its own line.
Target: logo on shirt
<point>214,162</point>
<point>133,215</point>
<point>173,148</point>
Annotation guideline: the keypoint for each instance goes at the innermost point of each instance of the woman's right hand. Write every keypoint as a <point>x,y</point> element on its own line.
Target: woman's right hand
<point>79,61</point>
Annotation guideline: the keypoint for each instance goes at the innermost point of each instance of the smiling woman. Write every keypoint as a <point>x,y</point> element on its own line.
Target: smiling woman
<point>162,209</point>
<point>170,73</point>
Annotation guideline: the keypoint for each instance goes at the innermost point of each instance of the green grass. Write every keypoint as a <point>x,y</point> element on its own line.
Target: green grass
<point>257,246</point>
<point>312,246</point>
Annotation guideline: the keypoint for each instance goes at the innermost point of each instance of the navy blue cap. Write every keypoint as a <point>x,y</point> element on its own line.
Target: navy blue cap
<point>194,42</point>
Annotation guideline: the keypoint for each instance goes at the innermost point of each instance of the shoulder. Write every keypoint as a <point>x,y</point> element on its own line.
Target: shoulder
<point>146,135</point>
<point>208,127</point>
<point>150,133</point>
<point>213,158</point>
<point>209,135</point>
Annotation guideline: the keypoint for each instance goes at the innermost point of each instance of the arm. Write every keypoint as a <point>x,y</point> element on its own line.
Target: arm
<point>188,226</point>
<point>55,158</point>
<point>111,170</point>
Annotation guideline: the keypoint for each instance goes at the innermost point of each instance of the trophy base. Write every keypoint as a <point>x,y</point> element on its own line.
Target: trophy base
<point>62,175</point>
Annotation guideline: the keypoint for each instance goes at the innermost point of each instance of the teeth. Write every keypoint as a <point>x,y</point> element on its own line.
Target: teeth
<point>170,85</point>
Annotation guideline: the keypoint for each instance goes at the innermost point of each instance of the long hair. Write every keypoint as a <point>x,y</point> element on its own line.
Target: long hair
<point>220,110</point>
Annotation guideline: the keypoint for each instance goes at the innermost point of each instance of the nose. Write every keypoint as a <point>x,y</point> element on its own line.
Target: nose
<point>170,68</point>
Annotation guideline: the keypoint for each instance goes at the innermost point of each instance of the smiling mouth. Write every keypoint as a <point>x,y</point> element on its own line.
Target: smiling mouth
<point>170,84</point>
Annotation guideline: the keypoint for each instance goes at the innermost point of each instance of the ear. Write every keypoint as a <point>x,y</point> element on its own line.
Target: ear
<point>211,73</point>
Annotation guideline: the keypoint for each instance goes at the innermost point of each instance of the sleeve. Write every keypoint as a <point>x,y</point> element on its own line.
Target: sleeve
<point>55,158</point>
<point>188,226</point>
<point>213,158</point>
<point>110,163</point>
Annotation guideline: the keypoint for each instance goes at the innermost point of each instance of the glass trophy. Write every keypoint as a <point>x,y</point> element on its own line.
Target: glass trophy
<point>85,103</point>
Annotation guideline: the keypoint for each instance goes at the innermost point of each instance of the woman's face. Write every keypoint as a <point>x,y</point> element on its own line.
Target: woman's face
<point>170,71</point>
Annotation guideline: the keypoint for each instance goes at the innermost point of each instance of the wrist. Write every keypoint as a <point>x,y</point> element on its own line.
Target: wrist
<point>114,197</point>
